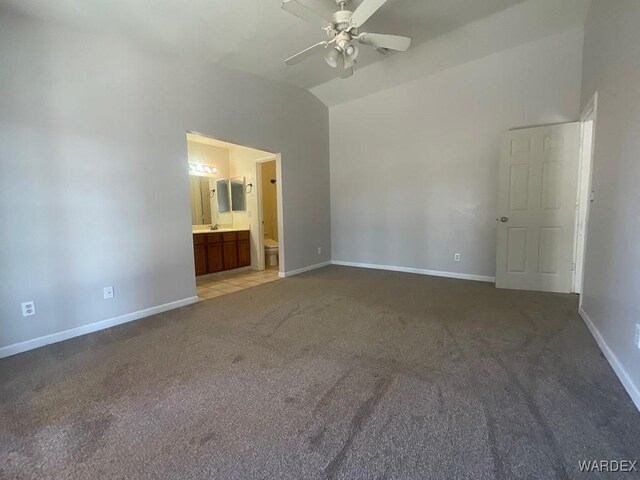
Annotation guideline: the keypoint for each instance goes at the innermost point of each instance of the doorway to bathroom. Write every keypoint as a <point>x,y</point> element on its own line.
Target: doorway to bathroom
<point>228,208</point>
<point>268,206</point>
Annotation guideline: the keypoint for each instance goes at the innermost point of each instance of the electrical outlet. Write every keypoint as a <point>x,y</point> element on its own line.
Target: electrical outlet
<point>637,337</point>
<point>108,292</point>
<point>28,308</point>
<point>456,257</point>
<point>319,250</point>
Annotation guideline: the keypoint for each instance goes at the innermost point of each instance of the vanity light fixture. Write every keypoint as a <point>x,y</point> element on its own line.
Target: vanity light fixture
<point>197,168</point>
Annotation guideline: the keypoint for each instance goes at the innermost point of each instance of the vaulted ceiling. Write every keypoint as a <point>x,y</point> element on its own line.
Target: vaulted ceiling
<point>256,36</point>
<point>250,35</point>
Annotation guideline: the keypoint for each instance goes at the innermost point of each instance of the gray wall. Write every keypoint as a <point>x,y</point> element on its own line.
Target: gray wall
<point>611,294</point>
<point>93,172</point>
<point>414,168</point>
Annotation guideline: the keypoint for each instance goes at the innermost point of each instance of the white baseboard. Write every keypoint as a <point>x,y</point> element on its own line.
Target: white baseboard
<point>419,271</point>
<point>622,374</point>
<point>303,269</point>
<point>92,327</point>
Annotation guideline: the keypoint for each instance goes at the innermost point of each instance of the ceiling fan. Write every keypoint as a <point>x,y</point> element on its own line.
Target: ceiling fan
<point>343,28</point>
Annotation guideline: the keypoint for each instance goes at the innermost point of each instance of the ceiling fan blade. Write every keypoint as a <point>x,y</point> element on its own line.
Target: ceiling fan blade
<point>380,40</point>
<point>365,10</point>
<point>306,53</point>
<point>305,13</point>
<point>324,8</point>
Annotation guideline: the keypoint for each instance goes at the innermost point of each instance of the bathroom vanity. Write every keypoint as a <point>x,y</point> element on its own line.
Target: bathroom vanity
<point>216,251</point>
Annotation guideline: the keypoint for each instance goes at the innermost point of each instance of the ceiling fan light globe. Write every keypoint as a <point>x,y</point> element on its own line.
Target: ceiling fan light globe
<point>352,51</point>
<point>332,57</point>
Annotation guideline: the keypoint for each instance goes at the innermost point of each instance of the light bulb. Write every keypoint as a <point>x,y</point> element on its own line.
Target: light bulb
<point>350,50</point>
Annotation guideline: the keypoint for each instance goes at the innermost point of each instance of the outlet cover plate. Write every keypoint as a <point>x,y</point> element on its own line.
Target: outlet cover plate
<point>28,308</point>
<point>108,292</point>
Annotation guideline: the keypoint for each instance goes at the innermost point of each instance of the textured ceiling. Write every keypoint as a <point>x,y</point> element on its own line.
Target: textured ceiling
<point>250,35</point>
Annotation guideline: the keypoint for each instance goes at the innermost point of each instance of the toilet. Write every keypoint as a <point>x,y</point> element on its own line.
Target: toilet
<point>271,252</point>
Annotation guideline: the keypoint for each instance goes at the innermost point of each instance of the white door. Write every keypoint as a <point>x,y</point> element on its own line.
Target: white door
<point>537,208</point>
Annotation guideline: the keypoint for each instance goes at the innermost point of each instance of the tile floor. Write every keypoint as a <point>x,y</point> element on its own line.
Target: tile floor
<point>211,286</point>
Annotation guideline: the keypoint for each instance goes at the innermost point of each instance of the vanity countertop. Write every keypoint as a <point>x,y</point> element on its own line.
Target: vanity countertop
<point>198,230</point>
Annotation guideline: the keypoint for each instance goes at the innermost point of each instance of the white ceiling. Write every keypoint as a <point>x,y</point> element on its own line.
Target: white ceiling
<point>250,35</point>
<point>522,23</point>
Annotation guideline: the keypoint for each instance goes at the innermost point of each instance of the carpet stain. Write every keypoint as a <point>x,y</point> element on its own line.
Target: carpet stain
<point>315,441</point>
<point>558,465</point>
<point>203,440</point>
<point>326,398</point>
<point>496,458</point>
<point>364,412</point>
<point>237,359</point>
<point>87,437</point>
<point>292,313</point>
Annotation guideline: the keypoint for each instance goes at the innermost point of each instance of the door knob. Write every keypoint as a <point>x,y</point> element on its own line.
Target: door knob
<point>504,219</point>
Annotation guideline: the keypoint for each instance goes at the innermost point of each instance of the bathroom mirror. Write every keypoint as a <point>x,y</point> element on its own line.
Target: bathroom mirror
<point>222,193</point>
<point>201,193</point>
<point>238,201</point>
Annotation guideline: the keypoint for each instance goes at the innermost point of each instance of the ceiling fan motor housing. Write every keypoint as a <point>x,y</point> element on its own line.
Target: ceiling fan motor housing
<point>342,20</point>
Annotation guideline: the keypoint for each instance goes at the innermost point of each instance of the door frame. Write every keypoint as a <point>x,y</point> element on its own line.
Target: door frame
<point>261,260</point>
<point>585,176</point>
<point>280,208</point>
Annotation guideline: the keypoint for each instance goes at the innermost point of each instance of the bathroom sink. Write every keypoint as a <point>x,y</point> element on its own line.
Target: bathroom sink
<point>219,230</point>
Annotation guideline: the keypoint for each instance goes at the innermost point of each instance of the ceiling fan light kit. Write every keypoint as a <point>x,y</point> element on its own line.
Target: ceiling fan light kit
<point>342,27</point>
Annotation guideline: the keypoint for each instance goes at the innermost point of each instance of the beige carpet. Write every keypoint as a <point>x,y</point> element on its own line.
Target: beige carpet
<point>337,373</point>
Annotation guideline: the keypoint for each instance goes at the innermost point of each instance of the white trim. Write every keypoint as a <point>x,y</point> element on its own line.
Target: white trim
<point>590,107</point>
<point>590,111</point>
<point>267,158</point>
<point>261,256</point>
<point>280,210</point>
<point>303,269</point>
<point>622,374</point>
<point>260,213</point>
<point>419,271</point>
<point>92,327</point>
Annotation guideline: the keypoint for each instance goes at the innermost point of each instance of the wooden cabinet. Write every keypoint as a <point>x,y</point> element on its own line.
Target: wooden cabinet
<point>214,258</point>
<point>244,250</point>
<point>230,255</point>
<point>244,253</point>
<point>200,255</point>
<point>215,252</point>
